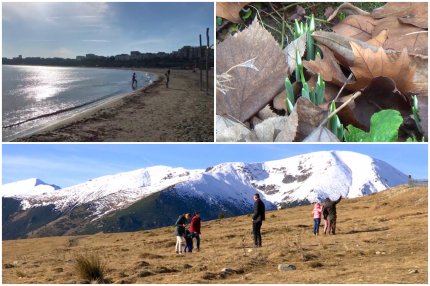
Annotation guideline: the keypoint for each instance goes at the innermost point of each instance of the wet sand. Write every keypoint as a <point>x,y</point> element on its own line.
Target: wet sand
<point>180,113</point>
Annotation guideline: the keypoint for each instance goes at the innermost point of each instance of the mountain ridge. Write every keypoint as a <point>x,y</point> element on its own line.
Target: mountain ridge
<point>226,189</point>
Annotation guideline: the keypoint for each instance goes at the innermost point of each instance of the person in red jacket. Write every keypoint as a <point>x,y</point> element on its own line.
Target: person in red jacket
<point>195,228</point>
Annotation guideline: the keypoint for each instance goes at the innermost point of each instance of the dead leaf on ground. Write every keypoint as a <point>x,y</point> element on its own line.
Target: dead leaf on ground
<point>356,26</point>
<point>379,40</point>
<point>296,13</point>
<point>327,67</point>
<point>369,64</point>
<point>402,36</point>
<point>349,9</point>
<point>321,134</point>
<point>251,89</point>
<point>380,94</point>
<point>229,130</point>
<point>420,79</point>
<point>230,10</point>
<point>308,117</point>
<point>413,13</point>
<point>290,51</point>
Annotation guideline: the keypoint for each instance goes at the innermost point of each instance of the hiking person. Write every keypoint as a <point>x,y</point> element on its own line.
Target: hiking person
<point>195,228</point>
<point>257,219</point>
<point>133,80</point>
<point>188,241</point>
<point>167,74</point>
<point>332,216</point>
<point>325,215</point>
<point>181,223</point>
<point>317,217</point>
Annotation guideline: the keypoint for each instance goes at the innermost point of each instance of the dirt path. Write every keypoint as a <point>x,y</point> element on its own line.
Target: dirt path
<point>180,113</point>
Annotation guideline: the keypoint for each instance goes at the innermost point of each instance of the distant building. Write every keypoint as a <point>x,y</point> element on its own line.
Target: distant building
<point>80,58</point>
<point>90,56</point>
<point>122,57</point>
<point>135,55</point>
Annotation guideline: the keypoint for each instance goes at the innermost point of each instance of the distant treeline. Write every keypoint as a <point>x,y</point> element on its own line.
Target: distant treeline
<point>154,62</point>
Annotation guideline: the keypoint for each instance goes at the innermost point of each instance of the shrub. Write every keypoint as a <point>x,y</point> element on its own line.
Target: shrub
<point>90,268</point>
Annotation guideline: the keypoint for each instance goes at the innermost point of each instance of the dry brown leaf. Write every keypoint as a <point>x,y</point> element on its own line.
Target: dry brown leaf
<point>250,89</point>
<point>327,67</point>
<point>230,10</point>
<point>402,36</point>
<point>379,40</point>
<point>349,9</point>
<point>369,64</point>
<point>356,26</point>
<point>321,134</point>
<point>296,13</point>
<point>290,51</point>
<point>306,116</point>
<point>380,94</point>
<point>420,79</point>
<point>410,12</point>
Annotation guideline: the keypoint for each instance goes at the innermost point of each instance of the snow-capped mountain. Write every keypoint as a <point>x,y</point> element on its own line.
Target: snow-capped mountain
<point>227,187</point>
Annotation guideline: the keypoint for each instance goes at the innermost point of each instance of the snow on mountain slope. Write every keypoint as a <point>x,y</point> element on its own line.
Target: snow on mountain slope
<point>28,188</point>
<point>300,179</point>
<point>110,192</point>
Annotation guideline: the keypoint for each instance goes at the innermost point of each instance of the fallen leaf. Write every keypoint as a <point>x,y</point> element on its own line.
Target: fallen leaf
<point>308,117</point>
<point>349,9</point>
<point>327,67</point>
<point>328,11</point>
<point>290,52</point>
<point>379,40</point>
<point>356,26</point>
<point>420,79</point>
<point>250,89</point>
<point>230,10</point>
<point>296,14</point>
<point>380,94</point>
<point>321,134</point>
<point>269,129</point>
<point>413,13</point>
<point>229,130</point>
<point>400,36</point>
<point>369,64</point>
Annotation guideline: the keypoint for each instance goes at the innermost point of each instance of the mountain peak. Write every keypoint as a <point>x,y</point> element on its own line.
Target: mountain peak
<point>27,188</point>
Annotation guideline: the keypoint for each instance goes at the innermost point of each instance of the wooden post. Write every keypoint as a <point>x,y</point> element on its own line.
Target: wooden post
<point>207,61</point>
<point>201,63</point>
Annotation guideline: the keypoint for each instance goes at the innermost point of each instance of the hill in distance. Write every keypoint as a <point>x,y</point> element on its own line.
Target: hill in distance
<point>381,238</point>
<point>153,197</point>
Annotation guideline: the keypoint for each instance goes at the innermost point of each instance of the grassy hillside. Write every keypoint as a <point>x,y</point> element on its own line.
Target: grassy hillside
<point>381,238</point>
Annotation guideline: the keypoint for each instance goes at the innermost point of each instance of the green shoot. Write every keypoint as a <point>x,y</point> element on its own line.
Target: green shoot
<point>305,90</point>
<point>299,67</point>
<point>415,112</point>
<point>310,53</point>
<point>290,95</point>
<point>320,91</point>
<point>336,126</point>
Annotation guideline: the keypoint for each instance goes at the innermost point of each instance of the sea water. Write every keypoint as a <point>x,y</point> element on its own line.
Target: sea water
<point>36,96</point>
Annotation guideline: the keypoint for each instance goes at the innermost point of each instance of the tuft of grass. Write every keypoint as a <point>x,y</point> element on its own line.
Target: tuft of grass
<point>91,268</point>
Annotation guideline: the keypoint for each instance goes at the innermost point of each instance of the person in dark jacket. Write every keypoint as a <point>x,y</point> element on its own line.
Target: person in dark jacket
<point>180,224</point>
<point>195,228</point>
<point>188,241</point>
<point>330,206</point>
<point>257,219</point>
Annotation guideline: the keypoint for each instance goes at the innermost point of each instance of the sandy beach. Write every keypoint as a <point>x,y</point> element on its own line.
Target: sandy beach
<point>180,113</point>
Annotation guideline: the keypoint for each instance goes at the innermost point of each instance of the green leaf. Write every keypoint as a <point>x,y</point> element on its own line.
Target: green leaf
<point>218,21</point>
<point>246,13</point>
<point>384,127</point>
<point>289,90</point>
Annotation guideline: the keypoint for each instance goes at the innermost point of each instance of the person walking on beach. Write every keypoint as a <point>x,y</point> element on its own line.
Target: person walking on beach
<point>134,80</point>
<point>167,74</point>
<point>332,215</point>
<point>257,219</point>
<point>180,224</point>
<point>317,217</point>
<point>195,228</point>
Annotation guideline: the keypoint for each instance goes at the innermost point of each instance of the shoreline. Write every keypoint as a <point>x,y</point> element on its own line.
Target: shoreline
<point>85,112</point>
<point>102,122</point>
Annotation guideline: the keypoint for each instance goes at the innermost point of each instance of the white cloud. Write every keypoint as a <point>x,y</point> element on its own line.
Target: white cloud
<point>62,53</point>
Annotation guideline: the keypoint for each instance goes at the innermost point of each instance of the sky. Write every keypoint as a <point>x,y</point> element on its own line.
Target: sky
<point>69,164</point>
<point>70,29</point>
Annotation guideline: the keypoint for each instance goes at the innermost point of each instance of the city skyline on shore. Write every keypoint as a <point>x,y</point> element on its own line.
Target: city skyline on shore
<point>68,30</point>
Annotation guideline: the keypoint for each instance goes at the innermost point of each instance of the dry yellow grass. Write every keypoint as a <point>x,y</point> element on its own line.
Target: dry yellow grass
<point>381,239</point>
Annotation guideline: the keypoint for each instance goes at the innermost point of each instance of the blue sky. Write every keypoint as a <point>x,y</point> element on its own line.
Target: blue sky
<point>71,29</point>
<point>68,164</point>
